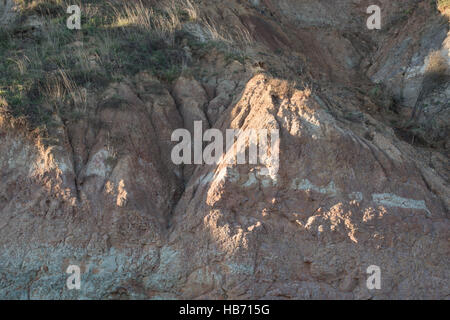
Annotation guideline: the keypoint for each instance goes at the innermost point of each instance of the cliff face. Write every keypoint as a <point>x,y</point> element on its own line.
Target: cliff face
<point>358,184</point>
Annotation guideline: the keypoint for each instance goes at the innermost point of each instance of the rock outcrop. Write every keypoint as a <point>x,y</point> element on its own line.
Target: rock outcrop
<point>350,192</point>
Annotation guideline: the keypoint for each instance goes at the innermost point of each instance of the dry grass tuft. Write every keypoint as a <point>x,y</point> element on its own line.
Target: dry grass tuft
<point>162,20</point>
<point>437,65</point>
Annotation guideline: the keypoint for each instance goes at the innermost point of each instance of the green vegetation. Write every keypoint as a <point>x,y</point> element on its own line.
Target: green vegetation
<point>48,69</point>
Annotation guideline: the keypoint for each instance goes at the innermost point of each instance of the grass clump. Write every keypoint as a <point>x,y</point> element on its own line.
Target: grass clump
<point>436,74</point>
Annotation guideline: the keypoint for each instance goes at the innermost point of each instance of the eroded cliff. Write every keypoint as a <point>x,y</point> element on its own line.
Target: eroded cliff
<point>362,179</point>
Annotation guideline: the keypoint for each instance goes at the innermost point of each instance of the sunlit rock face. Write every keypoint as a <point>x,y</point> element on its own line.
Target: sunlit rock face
<point>348,192</point>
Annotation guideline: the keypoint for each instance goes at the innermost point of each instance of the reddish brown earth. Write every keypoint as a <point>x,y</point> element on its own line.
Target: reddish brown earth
<point>350,192</point>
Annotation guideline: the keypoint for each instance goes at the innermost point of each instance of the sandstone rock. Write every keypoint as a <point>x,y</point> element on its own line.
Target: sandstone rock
<point>191,99</point>
<point>222,100</point>
<point>348,193</point>
<point>307,212</point>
